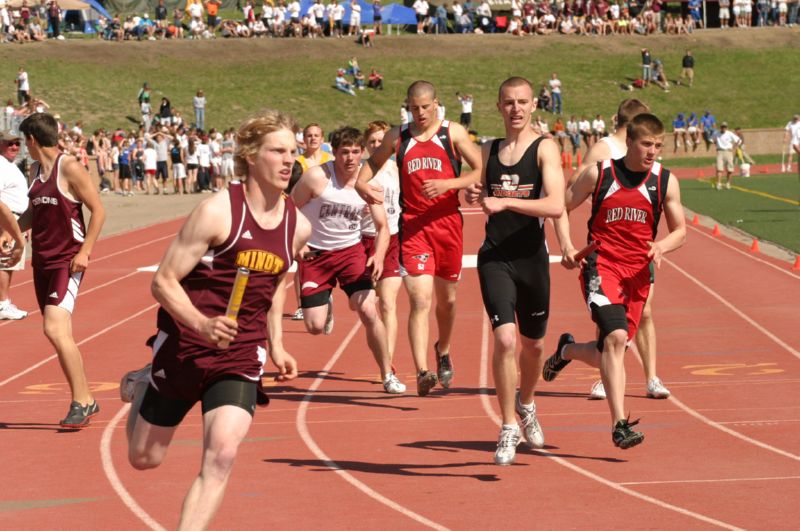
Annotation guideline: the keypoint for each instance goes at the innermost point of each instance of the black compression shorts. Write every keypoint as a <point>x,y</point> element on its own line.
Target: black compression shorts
<point>517,291</point>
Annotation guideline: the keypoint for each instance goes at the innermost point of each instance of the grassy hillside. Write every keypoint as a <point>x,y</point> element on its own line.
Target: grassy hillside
<point>740,75</point>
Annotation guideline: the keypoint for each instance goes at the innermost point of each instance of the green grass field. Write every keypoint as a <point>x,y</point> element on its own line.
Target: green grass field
<point>98,81</point>
<point>766,206</point>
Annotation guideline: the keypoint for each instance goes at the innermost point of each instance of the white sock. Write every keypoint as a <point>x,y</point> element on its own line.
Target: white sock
<point>510,427</point>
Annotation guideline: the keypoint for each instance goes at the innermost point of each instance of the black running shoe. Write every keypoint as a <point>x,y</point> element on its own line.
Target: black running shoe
<point>426,381</point>
<point>624,437</point>
<point>78,415</point>
<point>556,363</point>
<point>444,367</point>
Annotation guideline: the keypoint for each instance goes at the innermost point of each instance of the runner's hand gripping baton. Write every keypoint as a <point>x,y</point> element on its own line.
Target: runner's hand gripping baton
<point>586,251</point>
<point>235,300</point>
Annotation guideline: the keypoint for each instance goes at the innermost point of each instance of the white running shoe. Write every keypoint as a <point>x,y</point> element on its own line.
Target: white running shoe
<point>727,186</point>
<point>656,389</point>
<point>393,385</point>
<point>329,319</point>
<point>10,312</point>
<point>507,443</point>
<point>298,315</point>
<point>128,384</point>
<point>598,391</point>
<point>530,424</point>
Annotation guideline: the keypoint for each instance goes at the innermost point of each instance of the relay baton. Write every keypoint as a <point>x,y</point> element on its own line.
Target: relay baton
<point>586,251</point>
<point>235,300</point>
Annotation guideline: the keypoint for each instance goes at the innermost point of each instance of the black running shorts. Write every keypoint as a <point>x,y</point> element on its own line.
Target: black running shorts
<point>159,410</point>
<point>516,291</point>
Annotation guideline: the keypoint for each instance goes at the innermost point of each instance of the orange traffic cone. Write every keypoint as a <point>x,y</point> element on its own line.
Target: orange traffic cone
<point>715,232</point>
<point>696,220</point>
<point>579,158</point>
<point>796,266</point>
<point>754,247</point>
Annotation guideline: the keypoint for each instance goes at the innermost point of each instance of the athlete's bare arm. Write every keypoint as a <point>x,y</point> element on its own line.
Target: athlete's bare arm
<point>574,196</point>
<point>82,189</point>
<point>673,213</point>
<point>11,241</point>
<point>599,151</point>
<point>372,193</point>
<point>311,184</point>
<point>471,155</point>
<point>381,241</point>
<point>551,205</point>
<point>208,225</point>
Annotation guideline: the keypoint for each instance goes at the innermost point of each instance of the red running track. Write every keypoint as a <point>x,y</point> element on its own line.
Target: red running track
<point>333,451</point>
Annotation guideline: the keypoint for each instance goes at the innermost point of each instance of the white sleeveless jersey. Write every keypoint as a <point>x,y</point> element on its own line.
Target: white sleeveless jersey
<point>616,151</point>
<point>335,215</point>
<point>389,180</point>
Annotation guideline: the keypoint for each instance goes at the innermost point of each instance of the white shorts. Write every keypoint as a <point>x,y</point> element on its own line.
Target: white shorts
<point>178,171</point>
<point>692,129</point>
<point>737,11</point>
<point>782,8</point>
<point>227,168</point>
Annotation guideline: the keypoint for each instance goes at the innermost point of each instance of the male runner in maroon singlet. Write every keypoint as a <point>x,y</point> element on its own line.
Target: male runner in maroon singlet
<point>628,197</point>
<point>253,225</point>
<point>428,153</point>
<point>62,244</point>
<point>326,196</point>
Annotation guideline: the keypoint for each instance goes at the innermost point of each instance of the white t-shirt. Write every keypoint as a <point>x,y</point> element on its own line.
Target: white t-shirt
<point>793,128</point>
<point>584,126</point>
<point>22,79</point>
<point>727,140</point>
<point>337,11</point>
<point>13,187</point>
<point>204,155</point>
<point>150,157</point>
<point>466,105</point>
<point>318,10</point>
<point>294,10</point>
<point>555,86</point>
<point>196,10</point>
<point>598,126</point>
<point>199,102</point>
<point>420,7</point>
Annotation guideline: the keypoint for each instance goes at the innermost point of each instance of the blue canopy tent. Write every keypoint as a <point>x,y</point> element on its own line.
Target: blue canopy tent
<point>398,14</point>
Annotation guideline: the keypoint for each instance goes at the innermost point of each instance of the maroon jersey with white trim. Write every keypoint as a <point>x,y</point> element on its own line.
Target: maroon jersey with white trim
<point>57,229</point>
<point>267,253</point>
<point>624,219</point>
<point>417,161</point>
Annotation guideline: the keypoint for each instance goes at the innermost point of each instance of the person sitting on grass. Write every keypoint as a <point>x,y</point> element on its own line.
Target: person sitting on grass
<point>342,83</point>
<point>375,80</point>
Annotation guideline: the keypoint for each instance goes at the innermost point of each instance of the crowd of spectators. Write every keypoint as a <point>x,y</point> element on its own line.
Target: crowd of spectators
<point>281,18</point>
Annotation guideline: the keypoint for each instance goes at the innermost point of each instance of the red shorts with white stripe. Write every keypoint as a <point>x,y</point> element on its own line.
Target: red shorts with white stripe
<point>391,263</point>
<point>56,287</point>
<point>432,245</point>
<point>347,267</point>
<point>604,283</point>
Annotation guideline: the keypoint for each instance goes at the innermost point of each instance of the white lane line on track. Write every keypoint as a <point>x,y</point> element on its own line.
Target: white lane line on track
<point>106,257</point>
<point>726,480</point>
<point>483,385</point>
<point>735,310</point>
<point>86,340</point>
<point>734,433</point>
<point>113,478</point>
<point>302,429</point>
<point>751,256</point>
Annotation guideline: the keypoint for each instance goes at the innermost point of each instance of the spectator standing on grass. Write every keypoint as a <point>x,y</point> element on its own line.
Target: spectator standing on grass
<point>147,114</point>
<point>726,143</point>
<point>23,86</point>
<point>54,19</point>
<point>740,154</point>
<point>212,8</point>
<point>687,68</point>
<point>466,109</point>
<point>555,91</point>
<point>355,18</point>
<point>646,66</point>
<point>199,104</point>
<point>420,8</point>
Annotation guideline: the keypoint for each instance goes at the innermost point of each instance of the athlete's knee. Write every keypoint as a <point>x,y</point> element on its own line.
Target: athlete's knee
<point>144,460</point>
<point>420,301</point>
<point>55,331</point>
<point>314,327</point>
<point>533,348</point>
<point>367,311</point>
<point>220,459</point>
<point>505,340</point>
<point>615,341</point>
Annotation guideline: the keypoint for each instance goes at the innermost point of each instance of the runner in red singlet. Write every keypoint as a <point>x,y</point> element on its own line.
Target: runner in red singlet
<point>429,153</point>
<point>628,197</point>
<point>61,244</point>
<point>254,225</point>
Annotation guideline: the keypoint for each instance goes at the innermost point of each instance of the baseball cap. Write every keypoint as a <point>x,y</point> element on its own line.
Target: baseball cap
<point>7,136</point>
<point>724,124</point>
